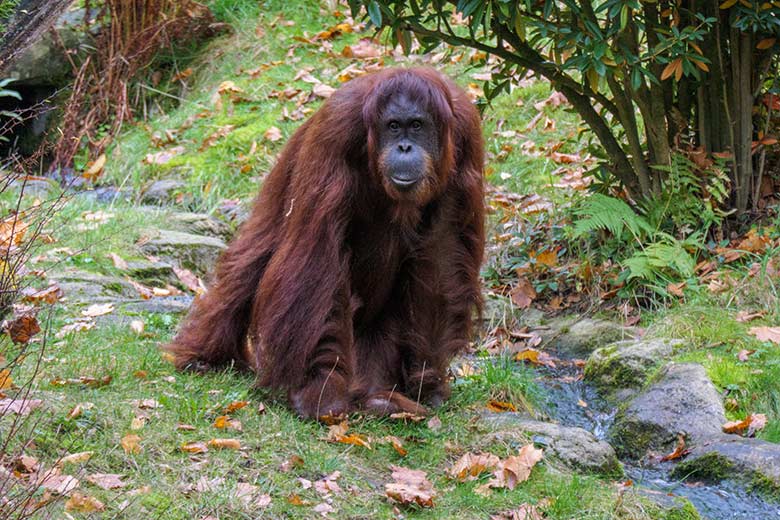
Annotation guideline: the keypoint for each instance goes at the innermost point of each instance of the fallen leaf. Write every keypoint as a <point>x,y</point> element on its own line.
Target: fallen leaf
<point>524,512</point>
<point>227,444</point>
<point>523,294</point>
<point>294,500</point>
<point>92,382</point>
<point>470,466</point>
<point>766,333</point>
<point>26,464</point>
<point>75,458</point>
<point>679,452</point>
<point>130,443</point>
<point>21,407</point>
<point>50,295</point>
<point>517,468</point>
<point>194,447</point>
<point>96,168</point>
<point>750,425</point>
<point>57,483</point>
<point>225,422</point>
<point>6,381</point>
<point>106,480</point>
<point>78,410</point>
<point>22,329</point>
<point>746,316</point>
<point>410,486</point>
<point>397,445</point>
<point>744,354</point>
<point>235,405</point>
<point>323,508</point>
<point>83,504</point>
<point>98,309</point>
<point>205,484</point>
<point>536,357</point>
<point>322,90</point>
<point>327,484</point>
<point>434,423</point>
<point>251,496</point>
<point>500,406</point>
<point>273,134</point>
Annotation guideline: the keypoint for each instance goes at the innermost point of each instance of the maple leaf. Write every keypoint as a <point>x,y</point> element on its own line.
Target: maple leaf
<point>750,425</point>
<point>523,294</point>
<point>766,333</point>
<point>470,466</point>
<point>517,468</point>
<point>22,329</point>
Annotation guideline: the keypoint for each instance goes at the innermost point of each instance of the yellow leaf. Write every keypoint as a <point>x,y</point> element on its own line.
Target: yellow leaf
<point>130,443</point>
<point>766,43</point>
<point>727,4</point>
<point>229,444</point>
<point>194,447</point>
<point>96,169</point>
<point>5,379</point>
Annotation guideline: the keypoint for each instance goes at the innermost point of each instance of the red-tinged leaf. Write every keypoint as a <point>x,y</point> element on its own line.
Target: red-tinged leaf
<point>751,424</point>
<point>235,405</point>
<point>22,329</point>
<point>194,447</point>
<point>679,452</point>
<point>516,469</point>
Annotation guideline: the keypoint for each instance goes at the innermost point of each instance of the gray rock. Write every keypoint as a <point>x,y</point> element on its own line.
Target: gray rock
<point>627,364</point>
<point>160,273</point>
<point>201,224</point>
<point>107,194</point>
<point>196,252</point>
<point>577,338</point>
<point>161,192</point>
<point>42,188</point>
<point>683,400</point>
<point>46,62</point>
<point>168,305</point>
<point>85,287</point>
<point>732,457</point>
<point>574,447</point>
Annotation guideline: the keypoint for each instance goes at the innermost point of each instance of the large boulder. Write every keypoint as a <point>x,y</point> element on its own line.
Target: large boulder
<point>84,287</point>
<point>732,457</point>
<point>627,364</point>
<point>161,192</point>
<point>201,224</point>
<point>574,447</point>
<point>682,400</point>
<point>195,252</point>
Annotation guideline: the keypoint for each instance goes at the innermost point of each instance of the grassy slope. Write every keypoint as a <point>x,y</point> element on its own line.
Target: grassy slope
<point>273,437</point>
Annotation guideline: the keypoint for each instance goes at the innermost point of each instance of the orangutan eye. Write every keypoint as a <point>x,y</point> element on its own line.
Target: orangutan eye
<point>393,125</point>
<point>416,125</point>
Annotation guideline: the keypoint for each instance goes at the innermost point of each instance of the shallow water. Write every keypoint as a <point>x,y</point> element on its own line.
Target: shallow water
<point>725,500</point>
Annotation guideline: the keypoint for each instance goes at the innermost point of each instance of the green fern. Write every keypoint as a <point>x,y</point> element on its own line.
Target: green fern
<point>666,256</point>
<point>601,212</point>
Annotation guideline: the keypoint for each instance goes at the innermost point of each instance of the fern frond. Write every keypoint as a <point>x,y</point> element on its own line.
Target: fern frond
<point>601,212</point>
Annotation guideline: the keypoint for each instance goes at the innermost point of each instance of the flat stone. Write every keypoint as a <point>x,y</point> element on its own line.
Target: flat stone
<point>683,400</point>
<point>578,338</point>
<point>201,224</point>
<point>146,271</point>
<point>196,252</point>
<point>574,447</point>
<point>166,305</point>
<point>732,457</point>
<point>161,192</point>
<point>627,364</point>
<point>86,287</point>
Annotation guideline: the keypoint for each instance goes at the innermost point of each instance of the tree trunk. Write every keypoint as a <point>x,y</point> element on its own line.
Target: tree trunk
<point>30,20</point>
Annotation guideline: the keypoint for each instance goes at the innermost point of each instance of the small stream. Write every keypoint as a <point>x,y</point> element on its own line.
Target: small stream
<point>725,500</point>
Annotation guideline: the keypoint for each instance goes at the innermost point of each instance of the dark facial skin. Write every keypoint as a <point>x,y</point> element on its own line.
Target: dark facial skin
<point>408,144</point>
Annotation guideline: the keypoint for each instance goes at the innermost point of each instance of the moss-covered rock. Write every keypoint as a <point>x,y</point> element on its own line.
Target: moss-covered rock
<point>196,252</point>
<point>627,364</point>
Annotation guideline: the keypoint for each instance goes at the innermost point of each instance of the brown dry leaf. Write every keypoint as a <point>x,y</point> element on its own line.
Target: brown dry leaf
<point>80,325</point>
<point>536,357</point>
<point>323,508</point>
<point>22,329</point>
<point>293,462</point>
<point>434,423</point>
<point>766,333</point>
<point>410,486</point>
<point>679,452</point>
<point>75,458</point>
<point>146,404</point>
<point>92,382</point>
<point>750,425</point>
<point>524,512</point>
<point>130,443</point>
<point>355,439</point>
<point>81,503</point>
<point>143,291</point>
<point>500,406</point>
<point>118,261</point>
<point>746,316</point>
<point>225,422</point>
<point>235,405</point>
<point>212,139</point>
<point>676,289</point>
<point>294,500</point>
<point>21,407</point>
<point>470,466</point>
<point>26,464</point>
<point>106,480</point>
<point>251,496</point>
<point>138,422</point>
<point>523,294</point>
<point>137,326</point>
<point>50,295</point>
<point>327,484</point>
<point>96,168</point>
<point>744,354</point>
<point>194,447</point>
<point>408,416</point>
<point>98,309</point>
<point>78,410</point>
<point>517,468</point>
<point>322,90</point>
<point>225,444</point>
<point>57,483</point>
<point>190,281</point>
<point>6,381</point>
<point>397,445</point>
<point>273,134</point>
<point>163,156</point>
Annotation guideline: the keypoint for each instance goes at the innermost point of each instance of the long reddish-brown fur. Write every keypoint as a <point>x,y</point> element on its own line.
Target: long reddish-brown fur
<point>350,295</point>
